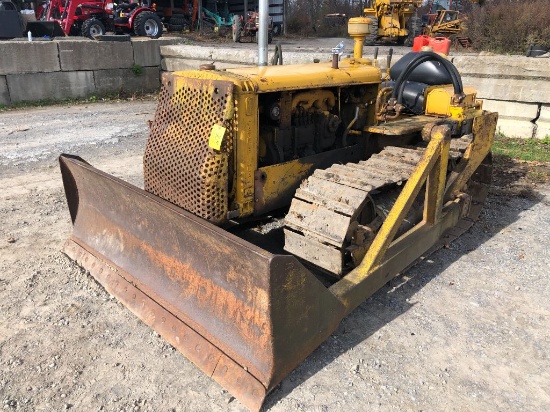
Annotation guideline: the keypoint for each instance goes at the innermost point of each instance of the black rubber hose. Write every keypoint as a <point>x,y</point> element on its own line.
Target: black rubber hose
<point>451,70</point>
<point>417,61</point>
<point>399,79</point>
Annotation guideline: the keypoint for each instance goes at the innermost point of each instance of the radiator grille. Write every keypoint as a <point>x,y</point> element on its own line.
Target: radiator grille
<point>178,164</point>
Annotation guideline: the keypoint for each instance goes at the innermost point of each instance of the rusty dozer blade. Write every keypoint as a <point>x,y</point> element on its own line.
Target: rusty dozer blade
<point>244,316</point>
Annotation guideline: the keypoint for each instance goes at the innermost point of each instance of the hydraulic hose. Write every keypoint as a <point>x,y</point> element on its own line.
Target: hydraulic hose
<point>417,61</point>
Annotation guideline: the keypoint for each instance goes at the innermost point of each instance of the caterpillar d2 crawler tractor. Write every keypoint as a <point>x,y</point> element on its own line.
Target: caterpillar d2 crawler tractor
<point>277,199</point>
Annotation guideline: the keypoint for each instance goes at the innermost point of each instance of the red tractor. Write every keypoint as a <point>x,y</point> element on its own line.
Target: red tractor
<point>249,27</point>
<point>90,18</point>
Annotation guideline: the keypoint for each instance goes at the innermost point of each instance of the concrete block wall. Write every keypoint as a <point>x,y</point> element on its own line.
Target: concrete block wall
<point>543,122</point>
<point>22,57</point>
<point>517,87</point>
<point>76,55</point>
<point>4,92</point>
<point>181,57</point>
<point>515,118</point>
<point>78,68</point>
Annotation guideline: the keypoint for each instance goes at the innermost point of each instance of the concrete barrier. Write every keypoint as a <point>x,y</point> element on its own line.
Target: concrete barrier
<point>55,85</point>
<point>174,65</point>
<point>487,65</point>
<point>28,57</point>
<point>147,52</point>
<point>543,122</point>
<point>4,92</point>
<point>78,67</point>
<point>515,119</point>
<point>518,90</point>
<point>146,79</point>
<point>173,55</point>
<point>515,86</point>
<point>75,55</point>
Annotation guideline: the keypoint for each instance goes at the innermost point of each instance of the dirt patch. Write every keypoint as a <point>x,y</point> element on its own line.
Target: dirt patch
<point>467,329</point>
<point>521,178</point>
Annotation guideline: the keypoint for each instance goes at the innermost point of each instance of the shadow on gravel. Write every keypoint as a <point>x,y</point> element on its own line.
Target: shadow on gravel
<point>512,193</point>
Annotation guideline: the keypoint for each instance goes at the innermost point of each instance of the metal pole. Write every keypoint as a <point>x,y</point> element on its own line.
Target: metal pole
<point>284,16</point>
<point>262,32</point>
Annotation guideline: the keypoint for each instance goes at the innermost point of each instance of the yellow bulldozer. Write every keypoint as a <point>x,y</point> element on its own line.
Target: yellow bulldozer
<point>446,22</point>
<point>277,199</point>
<point>393,21</point>
<point>443,23</point>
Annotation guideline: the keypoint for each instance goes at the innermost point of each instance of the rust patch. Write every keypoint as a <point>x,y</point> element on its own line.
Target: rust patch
<point>264,313</point>
<point>200,351</point>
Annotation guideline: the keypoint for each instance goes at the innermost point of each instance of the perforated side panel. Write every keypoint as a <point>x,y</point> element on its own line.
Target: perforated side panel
<point>178,163</point>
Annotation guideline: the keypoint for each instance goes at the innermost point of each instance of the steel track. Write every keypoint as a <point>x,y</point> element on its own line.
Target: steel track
<point>335,213</point>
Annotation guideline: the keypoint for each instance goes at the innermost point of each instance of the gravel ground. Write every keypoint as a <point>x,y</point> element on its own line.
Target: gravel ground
<point>467,329</point>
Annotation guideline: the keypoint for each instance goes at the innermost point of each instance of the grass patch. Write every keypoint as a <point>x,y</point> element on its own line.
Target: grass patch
<point>531,150</point>
<point>521,162</point>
